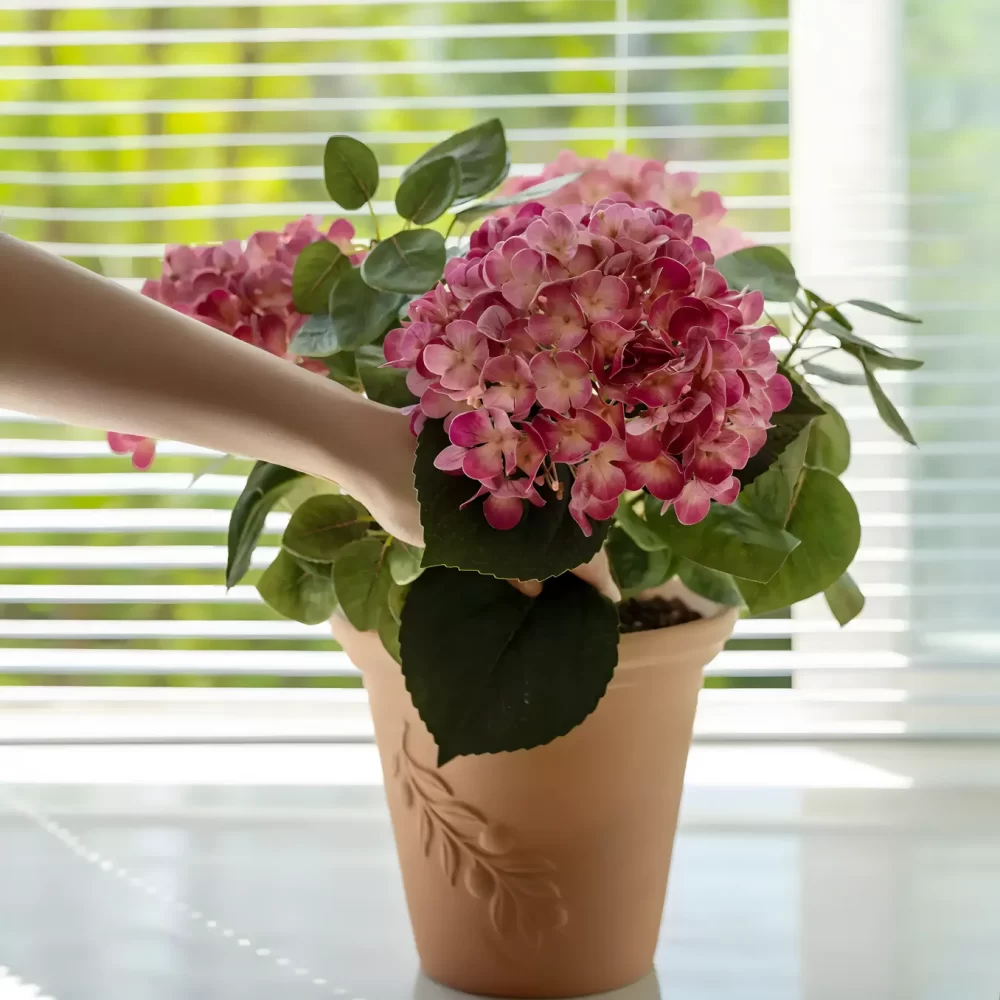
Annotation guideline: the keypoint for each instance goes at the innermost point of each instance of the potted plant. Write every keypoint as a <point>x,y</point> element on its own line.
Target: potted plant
<point>585,378</point>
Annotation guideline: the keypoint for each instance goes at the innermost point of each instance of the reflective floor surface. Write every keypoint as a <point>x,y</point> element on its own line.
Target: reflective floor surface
<point>799,874</point>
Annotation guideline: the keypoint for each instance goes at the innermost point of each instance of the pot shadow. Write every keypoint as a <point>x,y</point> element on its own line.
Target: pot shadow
<point>647,988</point>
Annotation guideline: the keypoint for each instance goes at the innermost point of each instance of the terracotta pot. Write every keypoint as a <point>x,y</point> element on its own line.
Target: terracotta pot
<point>542,873</point>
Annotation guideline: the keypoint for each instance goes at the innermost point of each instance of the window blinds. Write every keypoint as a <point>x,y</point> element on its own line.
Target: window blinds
<point>127,125</point>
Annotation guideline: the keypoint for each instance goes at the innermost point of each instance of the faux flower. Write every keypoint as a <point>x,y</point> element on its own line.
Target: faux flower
<point>245,291</point>
<point>638,181</point>
<point>600,339</point>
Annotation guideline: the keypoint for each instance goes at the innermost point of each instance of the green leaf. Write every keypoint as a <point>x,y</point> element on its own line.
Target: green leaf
<point>322,526</point>
<point>343,368</point>
<point>854,344</point>
<point>490,669</point>
<point>829,442</point>
<point>264,487</point>
<point>731,539</point>
<point>482,155</point>
<point>825,520</point>
<point>634,569</point>
<point>317,269</point>
<point>829,308</point>
<point>388,632</point>
<point>765,269</point>
<point>881,310</point>
<point>411,262</point>
<point>386,385</point>
<point>315,338</point>
<point>842,333</point>
<point>396,600</point>
<point>297,593</point>
<point>718,587</point>
<point>788,424</point>
<point>534,193</point>
<point>832,375</point>
<point>404,562</point>
<point>362,586</point>
<point>771,494</point>
<point>429,191</point>
<point>359,313</point>
<point>350,171</point>
<point>882,359</point>
<point>844,598</point>
<point>886,410</point>
<point>546,542</point>
<point>634,525</point>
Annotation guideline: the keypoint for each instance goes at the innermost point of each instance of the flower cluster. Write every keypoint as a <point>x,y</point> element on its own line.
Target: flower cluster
<point>597,338</point>
<point>641,181</point>
<point>243,291</point>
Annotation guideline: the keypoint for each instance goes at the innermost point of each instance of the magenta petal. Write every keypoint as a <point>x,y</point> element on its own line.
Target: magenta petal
<point>145,452</point>
<point>692,505</point>
<point>779,391</point>
<point>484,462</point>
<point>503,513</point>
<point>449,459</point>
<point>470,429</point>
<point>644,446</point>
<point>438,358</point>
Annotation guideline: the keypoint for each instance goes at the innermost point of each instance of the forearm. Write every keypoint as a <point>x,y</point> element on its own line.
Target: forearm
<point>78,348</point>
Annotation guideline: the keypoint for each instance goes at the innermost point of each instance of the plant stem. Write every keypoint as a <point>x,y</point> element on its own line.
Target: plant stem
<point>371,212</point>
<point>813,313</point>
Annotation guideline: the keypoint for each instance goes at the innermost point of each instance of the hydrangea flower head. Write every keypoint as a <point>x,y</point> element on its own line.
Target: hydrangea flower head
<point>600,338</point>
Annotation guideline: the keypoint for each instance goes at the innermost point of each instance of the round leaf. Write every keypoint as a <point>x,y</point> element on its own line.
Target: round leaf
<point>825,520</point>
<point>265,486</point>
<point>490,669</point>
<point>844,599</point>
<point>482,156</point>
<point>765,269</point>
<point>350,171</point>
<point>718,587</point>
<point>358,313</point>
<point>634,525</point>
<point>546,541</point>
<point>386,385</point>
<point>404,562</point>
<point>730,539</point>
<point>633,568</point>
<point>429,191</point>
<point>829,442</point>
<point>317,268</point>
<point>315,338</point>
<point>360,583</point>
<point>410,263</point>
<point>296,592</point>
<point>322,526</point>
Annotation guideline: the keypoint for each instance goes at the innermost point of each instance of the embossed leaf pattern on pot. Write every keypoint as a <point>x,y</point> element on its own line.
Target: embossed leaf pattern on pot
<point>521,895</point>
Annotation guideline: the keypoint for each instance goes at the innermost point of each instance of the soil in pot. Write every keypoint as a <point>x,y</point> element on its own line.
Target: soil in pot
<point>646,613</point>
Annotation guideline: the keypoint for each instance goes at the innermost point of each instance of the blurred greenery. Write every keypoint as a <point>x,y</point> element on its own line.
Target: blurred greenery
<point>179,147</point>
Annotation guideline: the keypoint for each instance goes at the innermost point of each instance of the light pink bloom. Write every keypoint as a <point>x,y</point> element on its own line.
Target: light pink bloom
<point>554,234</point>
<point>661,475</point>
<point>562,381</point>
<point>405,344</point>
<point>571,438</point>
<point>510,385</point>
<point>527,273</point>
<point>695,499</point>
<point>603,297</point>
<point>561,323</point>
<point>142,449</point>
<point>483,445</point>
<point>459,359</point>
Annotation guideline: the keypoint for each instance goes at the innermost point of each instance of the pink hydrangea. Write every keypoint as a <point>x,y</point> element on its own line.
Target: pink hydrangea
<point>601,339</point>
<point>640,181</point>
<point>243,291</point>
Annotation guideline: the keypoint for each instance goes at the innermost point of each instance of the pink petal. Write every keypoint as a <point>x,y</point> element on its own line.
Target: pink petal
<point>483,462</point>
<point>470,429</point>
<point>530,451</point>
<point>145,452</point>
<point>693,503</point>
<point>779,391</point>
<point>439,358</point>
<point>661,388</point>
<point>503,513</point>
<point>643,446</point>
<point>450,459</point>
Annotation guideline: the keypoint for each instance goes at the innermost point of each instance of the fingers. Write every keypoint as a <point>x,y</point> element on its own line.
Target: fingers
<point>597,573</point>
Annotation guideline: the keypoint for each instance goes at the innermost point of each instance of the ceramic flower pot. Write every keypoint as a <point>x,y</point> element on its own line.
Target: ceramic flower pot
<point>543,872</point>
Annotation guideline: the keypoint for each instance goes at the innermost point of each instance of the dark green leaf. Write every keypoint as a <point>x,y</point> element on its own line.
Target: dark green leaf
<point>634,525</point>
<point>429,191</point>
<point>265,485</point>
<point>411,262</point>
<point>545,543</point>
<point>829,442</point>
<point>844,598</point>
<point>718,587</point>
<point>765,269</point>
<point>881,310</point>
<point>825,520</point>
<point>788,424</point>
<point>482,156</point>
<point>317,269</point>
<point>771,494</point>
<point>886,410</point>
<point>322,526</point>
<point>634,569</point>
<point>343,368</point>
<point>534,193</point>
<point>404,562</point>
<point>362,581</point>
<point>731,539</point>
<point>490,669</point>
<point>297,593</point>
<point>386,385</point>
<point>358,313</point>
<point>315,338</point>
<point>832,374</point>
<point>350,171</point>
